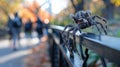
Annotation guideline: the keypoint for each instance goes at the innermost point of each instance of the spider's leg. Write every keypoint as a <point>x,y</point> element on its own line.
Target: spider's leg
<point>72,45</point>
<point>101,18</point>
<point>74,38</point>
<point>95,23</point>
<point>67,41</point>
<point>98,28</point>
<point>74,32</point>
<point>86,58</point>
<point>105,31</point>
<point>70,25</point>
<point>72,28</point>
<point>79,28</point>
<point>65,36</point>
<point>81,51</point>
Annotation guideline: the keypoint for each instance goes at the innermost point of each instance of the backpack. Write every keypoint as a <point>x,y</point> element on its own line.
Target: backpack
<point>17,22</point>
<point>28,26</point>
<point>39,24</point>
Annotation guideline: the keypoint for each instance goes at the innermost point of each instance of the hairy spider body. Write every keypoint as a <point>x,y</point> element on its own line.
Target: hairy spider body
<point>82,20</point>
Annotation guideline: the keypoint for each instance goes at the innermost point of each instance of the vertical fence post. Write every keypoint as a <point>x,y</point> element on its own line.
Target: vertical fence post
<point>62,61</point>
<point>86,58</point>
<point>55,55</point>
<point>103,61</point>
<point>54,51</point>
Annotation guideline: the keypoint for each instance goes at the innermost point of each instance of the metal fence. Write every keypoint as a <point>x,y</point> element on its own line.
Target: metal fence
<point>106,47</point>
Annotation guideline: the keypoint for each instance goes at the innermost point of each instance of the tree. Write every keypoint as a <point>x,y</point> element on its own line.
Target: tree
<point>31,11</point>
<point>109,9</point>
<point>116,2</point>
<point>7,7</point>
<point>78,4</point>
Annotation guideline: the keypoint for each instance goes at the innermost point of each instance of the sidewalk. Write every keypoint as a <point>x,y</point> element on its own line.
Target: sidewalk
<point>39,56</point>
<point>10,58</point>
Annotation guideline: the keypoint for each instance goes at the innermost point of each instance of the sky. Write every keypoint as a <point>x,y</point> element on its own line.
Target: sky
<point>56,5</point>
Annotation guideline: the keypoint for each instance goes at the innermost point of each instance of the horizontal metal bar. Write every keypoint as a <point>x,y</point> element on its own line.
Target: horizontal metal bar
<point>105,46</point>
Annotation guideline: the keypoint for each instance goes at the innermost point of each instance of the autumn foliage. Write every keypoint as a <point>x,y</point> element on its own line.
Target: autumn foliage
<point>31,11</point>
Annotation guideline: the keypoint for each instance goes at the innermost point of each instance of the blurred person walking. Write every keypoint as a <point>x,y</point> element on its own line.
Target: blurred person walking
<point>45,27</point>
<point>9,25</point>
<point>15,30</point>
<point>28,31</point>
<point>39,27</point>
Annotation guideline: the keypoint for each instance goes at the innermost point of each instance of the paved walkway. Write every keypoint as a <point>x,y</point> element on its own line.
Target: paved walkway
<point>10,58</point>
<point>40,56</point>
<point>23,57</point>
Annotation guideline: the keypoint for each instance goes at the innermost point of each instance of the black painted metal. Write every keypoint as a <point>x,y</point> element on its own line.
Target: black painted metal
<point>54,52</point>
<point>105,46</point>
<point>58,58</point>
<point>103,61</point>
<point>86,58</point>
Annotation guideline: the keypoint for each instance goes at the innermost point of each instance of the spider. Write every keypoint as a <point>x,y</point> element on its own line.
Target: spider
<point>83,20</point>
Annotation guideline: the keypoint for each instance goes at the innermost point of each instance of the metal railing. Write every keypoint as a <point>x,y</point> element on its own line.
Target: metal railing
<point>104,46</point>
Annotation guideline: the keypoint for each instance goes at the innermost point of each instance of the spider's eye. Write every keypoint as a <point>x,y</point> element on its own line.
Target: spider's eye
<point>89,12</point>
<point>80,20</point>
<point>85,20</point>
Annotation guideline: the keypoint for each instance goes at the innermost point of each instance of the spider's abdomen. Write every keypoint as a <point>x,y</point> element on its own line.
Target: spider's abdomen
<point>84,25</point>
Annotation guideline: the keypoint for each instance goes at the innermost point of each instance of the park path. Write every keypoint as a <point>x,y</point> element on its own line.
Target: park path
<point>10,58</point>
<point>23,56</point>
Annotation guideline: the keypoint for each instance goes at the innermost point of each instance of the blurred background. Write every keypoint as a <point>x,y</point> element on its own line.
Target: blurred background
<point>58,11</point>
<point>54,12</point>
